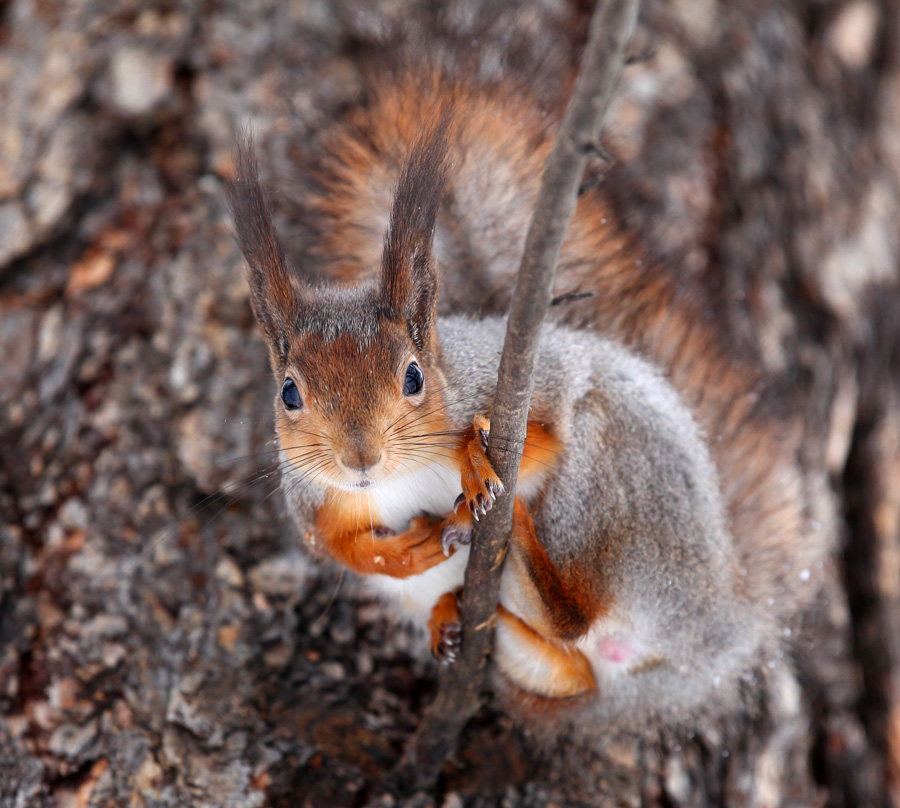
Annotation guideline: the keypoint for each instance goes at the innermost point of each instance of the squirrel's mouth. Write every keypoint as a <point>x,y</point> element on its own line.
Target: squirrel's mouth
<point>361,483</point>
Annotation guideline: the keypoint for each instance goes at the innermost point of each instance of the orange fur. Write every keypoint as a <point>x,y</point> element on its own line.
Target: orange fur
<point>565,671</point>
<point>350,539</point>
<point>541,450</point>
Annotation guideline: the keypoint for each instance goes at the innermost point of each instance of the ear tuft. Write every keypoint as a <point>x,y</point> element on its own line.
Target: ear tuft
<point>274,293</point>
<point>408,272</point>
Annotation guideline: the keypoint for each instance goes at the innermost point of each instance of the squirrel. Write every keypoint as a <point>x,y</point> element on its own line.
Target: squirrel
<point>665,534</point>
<point>624,578</point>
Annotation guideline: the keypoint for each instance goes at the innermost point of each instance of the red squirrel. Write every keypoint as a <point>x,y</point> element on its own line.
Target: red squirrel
<point>656,517</point>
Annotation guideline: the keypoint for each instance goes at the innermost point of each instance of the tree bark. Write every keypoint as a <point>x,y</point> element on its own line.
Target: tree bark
<point>756,154</point>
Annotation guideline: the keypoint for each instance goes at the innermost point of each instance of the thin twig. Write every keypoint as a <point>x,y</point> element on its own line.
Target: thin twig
<point>459,692</point>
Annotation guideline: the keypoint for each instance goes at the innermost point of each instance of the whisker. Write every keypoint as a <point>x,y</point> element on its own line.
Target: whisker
<point>247,423</point>
<point>425,453</point>
<point>401,424</point>
<point>419,416</point>
<point>439,391</point>
<point>414,441</point>
<point>371,521</point>
<point>303,482</point>
<point>240,486</point>
<point>334,595</point>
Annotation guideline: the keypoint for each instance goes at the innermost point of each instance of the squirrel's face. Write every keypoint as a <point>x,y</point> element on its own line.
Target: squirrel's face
<point>355,410</point>
<point>361,394</point>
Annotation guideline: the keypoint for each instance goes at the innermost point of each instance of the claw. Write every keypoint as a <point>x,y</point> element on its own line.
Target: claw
<point>484,435</point>
<point>459,501</point>
<point>453,536</point>
<point>448,539</point>
<point>451,639</point>
<point>481,504</point>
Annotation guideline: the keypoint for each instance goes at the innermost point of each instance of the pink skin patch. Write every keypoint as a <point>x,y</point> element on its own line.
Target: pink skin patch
<point>616,650</point>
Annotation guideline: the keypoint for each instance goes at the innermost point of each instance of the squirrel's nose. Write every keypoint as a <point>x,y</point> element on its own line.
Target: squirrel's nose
<point>361,455</point>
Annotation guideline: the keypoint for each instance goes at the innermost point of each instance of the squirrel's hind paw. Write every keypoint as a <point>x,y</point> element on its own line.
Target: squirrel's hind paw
<point>447,647</point>
<point>446,627</point>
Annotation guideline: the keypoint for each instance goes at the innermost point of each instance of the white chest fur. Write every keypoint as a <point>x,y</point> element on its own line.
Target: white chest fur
<point>432,489</point>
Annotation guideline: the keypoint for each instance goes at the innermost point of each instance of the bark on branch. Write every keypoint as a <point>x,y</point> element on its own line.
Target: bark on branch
<point>457,699</point>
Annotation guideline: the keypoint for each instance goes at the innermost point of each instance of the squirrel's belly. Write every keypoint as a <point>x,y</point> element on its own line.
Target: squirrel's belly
<point>415,596</point>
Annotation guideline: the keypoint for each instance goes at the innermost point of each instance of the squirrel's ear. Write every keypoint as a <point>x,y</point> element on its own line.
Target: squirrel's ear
<point>408,271</point>
<point>274,290</point>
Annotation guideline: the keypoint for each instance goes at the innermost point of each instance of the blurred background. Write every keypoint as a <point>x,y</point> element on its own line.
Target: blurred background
<point>163,639</point>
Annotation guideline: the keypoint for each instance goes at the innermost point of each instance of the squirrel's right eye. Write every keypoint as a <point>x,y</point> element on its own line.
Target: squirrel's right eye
<point>290,395</point>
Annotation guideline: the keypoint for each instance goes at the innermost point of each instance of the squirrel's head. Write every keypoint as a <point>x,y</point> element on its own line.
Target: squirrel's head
<point>360,388</point>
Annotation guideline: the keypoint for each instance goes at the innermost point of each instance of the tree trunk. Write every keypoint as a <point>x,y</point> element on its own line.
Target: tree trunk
<point>170,649</point>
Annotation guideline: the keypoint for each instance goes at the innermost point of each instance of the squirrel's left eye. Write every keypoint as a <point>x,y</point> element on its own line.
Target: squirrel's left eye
<point>290,395</point>
<point>412,384</point>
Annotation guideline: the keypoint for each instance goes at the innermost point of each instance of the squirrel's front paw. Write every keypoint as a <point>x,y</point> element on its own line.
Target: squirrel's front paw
<point>418,549</point>
<point>480,484</point>
<point>457,529</point>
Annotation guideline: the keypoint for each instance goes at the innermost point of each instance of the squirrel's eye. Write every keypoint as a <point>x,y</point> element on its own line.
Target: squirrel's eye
<point>412,384</point>
<point>290,395</point>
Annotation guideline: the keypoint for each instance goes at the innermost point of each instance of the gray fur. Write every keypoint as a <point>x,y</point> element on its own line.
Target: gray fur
<point>635,473</point>
<point>339,311</point>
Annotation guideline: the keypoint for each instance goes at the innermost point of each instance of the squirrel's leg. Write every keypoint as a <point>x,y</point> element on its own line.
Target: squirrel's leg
<point>480,485</point>
<point>533,646</point>
<point>571,599</point>
<point>378,551</point>
<point>445,627</point>
<point>538,664</point>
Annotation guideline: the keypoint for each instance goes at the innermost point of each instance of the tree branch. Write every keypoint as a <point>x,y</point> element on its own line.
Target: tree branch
<point>457,699</point>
